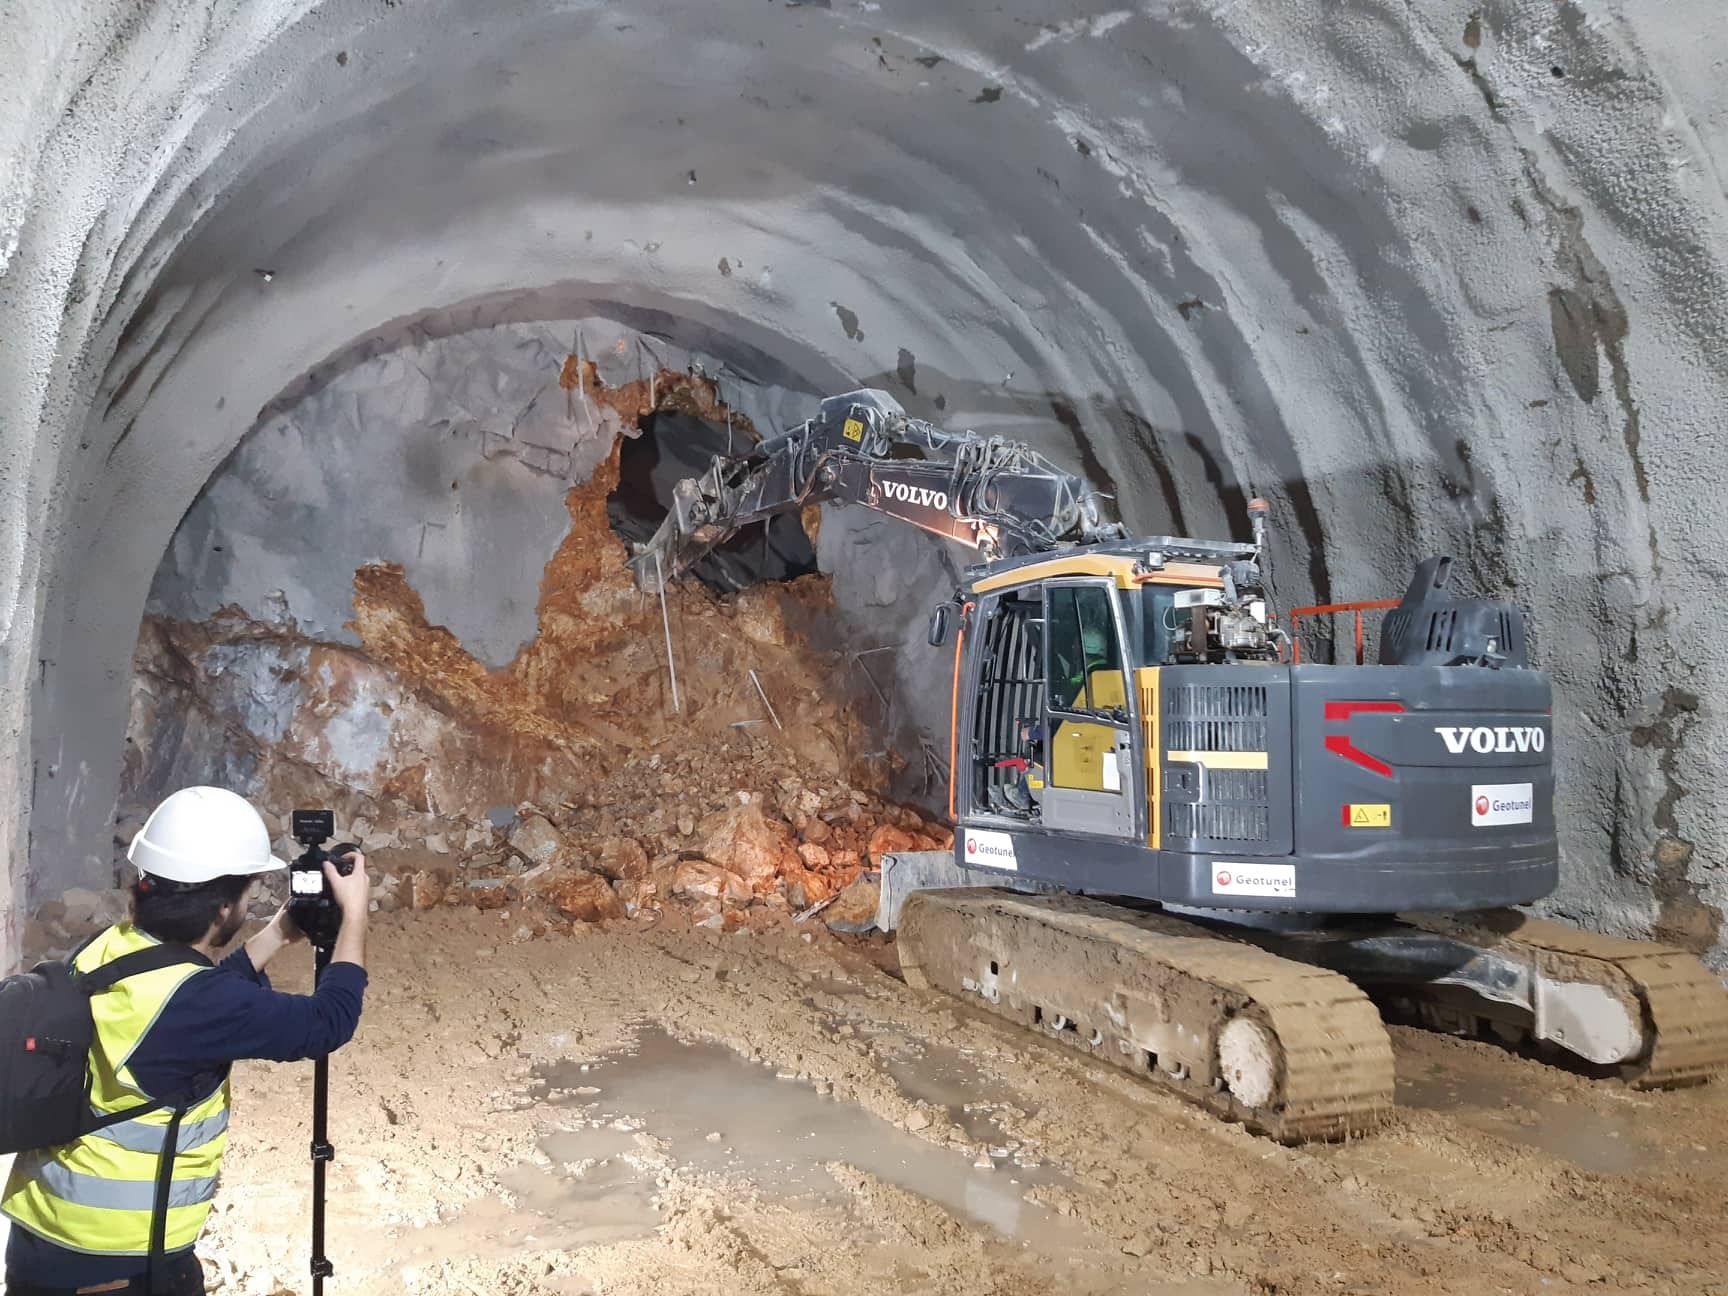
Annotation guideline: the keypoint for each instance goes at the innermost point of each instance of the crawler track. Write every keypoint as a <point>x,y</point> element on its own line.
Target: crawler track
<point>1683,1006</point>
<point>1293,1051</point>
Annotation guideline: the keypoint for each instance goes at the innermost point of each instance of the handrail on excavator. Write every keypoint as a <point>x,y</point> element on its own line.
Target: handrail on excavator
<point>1331,609</point>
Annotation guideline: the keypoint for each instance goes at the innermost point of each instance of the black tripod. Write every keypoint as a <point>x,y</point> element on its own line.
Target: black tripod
<point>322,1152</point>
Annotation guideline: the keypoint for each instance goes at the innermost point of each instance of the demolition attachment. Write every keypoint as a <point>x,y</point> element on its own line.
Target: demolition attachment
<point>997,496</point>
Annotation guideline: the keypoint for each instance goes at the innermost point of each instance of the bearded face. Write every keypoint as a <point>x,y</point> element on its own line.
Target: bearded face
<point>234,919</point>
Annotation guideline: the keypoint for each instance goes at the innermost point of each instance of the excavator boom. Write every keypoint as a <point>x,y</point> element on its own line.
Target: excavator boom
<point>998,496</point>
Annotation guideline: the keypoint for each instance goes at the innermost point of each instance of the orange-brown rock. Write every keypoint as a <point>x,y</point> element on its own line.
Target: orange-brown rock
<point>699,880</point>
<point>816,888</point>
<point>888,840</point>
<point>814,857</point>
<point>581,897</point>
<point>640,892</point>
<point>857,905</point>
<point>621,857</point>
<point>750,844</point>
<point>424,890</point>
<point>488,897</point>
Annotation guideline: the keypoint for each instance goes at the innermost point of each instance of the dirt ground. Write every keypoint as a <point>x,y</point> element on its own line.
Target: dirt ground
<point>648,1107</point>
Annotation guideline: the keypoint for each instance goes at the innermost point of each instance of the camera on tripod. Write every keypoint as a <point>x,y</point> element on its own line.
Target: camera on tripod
<point>310,904</point>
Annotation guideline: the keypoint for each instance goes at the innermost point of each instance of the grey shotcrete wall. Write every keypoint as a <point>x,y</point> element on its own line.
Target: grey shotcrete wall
<point>1438,275</point>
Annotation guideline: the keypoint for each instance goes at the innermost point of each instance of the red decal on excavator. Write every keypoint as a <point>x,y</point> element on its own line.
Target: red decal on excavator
<point>1339,745</point>
<point>1344,710</point>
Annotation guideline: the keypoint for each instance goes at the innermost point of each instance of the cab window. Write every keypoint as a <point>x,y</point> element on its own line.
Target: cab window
<point>1081,635</point>
<point>1162,625</point>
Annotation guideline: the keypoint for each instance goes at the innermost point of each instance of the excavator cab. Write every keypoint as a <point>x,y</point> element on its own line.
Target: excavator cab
<point>1052,727</point>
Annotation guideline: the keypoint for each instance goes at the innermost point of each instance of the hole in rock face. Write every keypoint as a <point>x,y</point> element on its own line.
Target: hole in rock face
<point>673,446</point>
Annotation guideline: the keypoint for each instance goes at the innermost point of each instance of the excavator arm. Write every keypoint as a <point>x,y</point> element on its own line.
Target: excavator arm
<point>998,496</point>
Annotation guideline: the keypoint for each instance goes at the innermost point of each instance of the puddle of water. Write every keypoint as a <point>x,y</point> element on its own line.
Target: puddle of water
<point>610,1201</point>
<point>948,1078</point>
<point>592,1195</point>
<point>1605,1142</point>
<point>722,1114</point>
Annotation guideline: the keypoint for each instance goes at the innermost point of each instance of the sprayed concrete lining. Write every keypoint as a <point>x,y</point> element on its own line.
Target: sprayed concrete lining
<point>1446,275</point>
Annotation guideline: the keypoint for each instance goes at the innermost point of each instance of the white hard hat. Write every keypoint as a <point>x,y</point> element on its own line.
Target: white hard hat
<point>200,834</point>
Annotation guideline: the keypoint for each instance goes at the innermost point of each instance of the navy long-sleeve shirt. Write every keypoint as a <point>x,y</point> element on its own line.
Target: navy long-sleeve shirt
<point>214,1018</point>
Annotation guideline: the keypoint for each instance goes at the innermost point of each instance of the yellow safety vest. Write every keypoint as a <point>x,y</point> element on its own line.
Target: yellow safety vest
<point>96,1194</point>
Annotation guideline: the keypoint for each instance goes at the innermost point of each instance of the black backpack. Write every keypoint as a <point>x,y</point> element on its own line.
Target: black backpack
<point>46,1033</point>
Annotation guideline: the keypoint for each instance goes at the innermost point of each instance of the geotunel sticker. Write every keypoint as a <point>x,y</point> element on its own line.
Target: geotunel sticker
<point>991,850</point>
<point>1254,880</point>
<point>1502,803</point>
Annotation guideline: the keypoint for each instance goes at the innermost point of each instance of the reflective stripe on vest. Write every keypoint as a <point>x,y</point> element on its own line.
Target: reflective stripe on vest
<point>119,1194</point>
<point>97,1194</point>
<point>142,1136</point>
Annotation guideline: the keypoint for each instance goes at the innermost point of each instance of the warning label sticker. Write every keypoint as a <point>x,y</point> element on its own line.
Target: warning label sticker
<point>991,850</point>
<point>1254,879</point>
<point>1502,803</point>
<point>1367,816</point>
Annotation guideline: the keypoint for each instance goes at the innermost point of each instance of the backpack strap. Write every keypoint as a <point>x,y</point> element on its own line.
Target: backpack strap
<point>156,1268</point>
<point>136,963</point>
<point>111,973</point>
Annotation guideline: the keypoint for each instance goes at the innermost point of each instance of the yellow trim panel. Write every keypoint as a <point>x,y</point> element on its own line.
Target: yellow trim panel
<point>1120,569</point>
<point>1146,681</point>
<point>1180,573</point>
<point>1219,760</point>
<point>1124,571</point>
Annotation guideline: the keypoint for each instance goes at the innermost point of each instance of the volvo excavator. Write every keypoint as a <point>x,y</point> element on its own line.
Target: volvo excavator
<point>1193,855</point>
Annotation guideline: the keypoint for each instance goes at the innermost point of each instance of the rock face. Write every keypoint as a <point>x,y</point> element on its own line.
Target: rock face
<point>564,784</point>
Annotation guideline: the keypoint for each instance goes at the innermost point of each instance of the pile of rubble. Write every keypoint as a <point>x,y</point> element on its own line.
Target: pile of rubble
<point>753,861</point>
<point>726,832</point>
<point>647,841</point>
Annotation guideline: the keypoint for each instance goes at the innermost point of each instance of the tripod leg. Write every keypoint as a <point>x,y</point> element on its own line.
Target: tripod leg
<point>322,1152</point>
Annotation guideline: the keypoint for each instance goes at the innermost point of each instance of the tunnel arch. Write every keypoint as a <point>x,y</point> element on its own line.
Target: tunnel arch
<point>1380,266</point>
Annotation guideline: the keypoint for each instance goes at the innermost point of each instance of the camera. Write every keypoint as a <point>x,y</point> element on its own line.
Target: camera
<point>310,904</point>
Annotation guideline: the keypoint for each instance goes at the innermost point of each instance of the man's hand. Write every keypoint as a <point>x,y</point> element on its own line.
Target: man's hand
<point>279,931</point>
<point>353,894</point>
<point>286,927</point>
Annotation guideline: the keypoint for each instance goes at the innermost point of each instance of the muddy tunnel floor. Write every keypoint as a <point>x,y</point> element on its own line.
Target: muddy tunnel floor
<point>652,1107</point>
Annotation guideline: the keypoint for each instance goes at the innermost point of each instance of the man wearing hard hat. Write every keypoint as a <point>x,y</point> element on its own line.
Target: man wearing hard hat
<point>84,1212</point>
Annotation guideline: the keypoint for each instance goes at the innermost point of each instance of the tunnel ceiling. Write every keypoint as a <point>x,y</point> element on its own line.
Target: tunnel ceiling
<point>1428,276</point>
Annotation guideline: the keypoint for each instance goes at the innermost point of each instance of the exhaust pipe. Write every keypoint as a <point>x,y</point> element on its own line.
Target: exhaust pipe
<point>1260,516</point>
